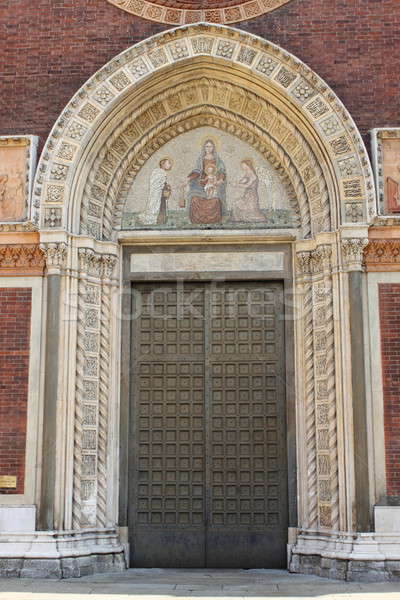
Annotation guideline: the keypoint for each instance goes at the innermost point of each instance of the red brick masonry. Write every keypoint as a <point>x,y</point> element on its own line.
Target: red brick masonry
<point>15,320</point>
<point>389,308</point>
<point>48,49</point>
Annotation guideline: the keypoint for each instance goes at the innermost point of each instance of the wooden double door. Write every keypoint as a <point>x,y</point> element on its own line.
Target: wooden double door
<point>208,474</point>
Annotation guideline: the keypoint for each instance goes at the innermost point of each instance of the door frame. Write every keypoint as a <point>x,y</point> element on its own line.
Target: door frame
<point>284,273</point>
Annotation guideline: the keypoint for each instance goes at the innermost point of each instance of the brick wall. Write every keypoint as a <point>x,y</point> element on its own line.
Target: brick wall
<point>389,307</point>
<point>15,317</point>
<point>48,49</point>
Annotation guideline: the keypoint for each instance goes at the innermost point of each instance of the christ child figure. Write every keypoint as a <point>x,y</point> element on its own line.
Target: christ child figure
<point>211,182</point>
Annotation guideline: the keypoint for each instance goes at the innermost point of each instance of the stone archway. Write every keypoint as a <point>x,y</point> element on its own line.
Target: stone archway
<point>175,82</point>
<point>314,111</point>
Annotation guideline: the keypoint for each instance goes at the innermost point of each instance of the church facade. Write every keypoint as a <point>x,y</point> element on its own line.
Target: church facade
<point>200,288</point>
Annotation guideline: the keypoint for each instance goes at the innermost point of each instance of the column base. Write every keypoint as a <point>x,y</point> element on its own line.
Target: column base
<point>365,557</point>
<point>59,555</point>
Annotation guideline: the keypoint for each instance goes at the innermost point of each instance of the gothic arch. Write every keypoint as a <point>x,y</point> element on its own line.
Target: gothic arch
<point>148,95</point>
<point>229,75</point>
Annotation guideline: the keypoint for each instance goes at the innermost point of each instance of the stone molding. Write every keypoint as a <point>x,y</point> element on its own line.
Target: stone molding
<point>268,65</point>
<point>171,14</point>
<point>382,255</point>
<point>21,260</point>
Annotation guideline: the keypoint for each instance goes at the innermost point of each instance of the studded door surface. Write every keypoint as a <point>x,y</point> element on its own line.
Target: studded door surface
<point>208,475</point>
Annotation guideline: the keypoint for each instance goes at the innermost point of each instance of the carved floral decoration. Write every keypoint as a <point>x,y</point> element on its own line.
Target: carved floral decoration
<point>383,255</point>
<point>194,11</point>
<point>21,259</point>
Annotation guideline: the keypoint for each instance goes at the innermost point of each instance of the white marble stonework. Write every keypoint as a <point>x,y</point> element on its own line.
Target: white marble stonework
<point>206,261</point>
<point>17,518</point>
<point>387,519</point>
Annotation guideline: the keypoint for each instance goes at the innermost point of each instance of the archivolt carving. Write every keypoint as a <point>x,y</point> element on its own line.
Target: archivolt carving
<point>323,116</point>
<point>229,107</point>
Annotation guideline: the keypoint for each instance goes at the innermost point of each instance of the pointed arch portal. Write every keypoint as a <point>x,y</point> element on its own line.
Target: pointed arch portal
<point>168,88</point>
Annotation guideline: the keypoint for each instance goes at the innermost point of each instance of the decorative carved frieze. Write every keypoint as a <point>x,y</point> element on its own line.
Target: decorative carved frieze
<point>382,255</point>
<point>21,259</point>
<point>28,226</point>
<point>320,260</point>
<point>219,11</point>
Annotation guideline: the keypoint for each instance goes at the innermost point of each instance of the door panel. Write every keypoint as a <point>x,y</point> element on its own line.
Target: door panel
<point>168,429</point>
<point>208,475</point>
<point>247,521</point>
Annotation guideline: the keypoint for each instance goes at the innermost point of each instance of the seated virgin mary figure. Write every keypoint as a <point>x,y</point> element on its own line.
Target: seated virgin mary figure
<point>207,187</point>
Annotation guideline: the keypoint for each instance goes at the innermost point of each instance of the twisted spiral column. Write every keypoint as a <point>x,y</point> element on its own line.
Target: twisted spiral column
<point>312,476</point>
<point>79,396</point>
<point>104,389</point>
<point>330,365</point>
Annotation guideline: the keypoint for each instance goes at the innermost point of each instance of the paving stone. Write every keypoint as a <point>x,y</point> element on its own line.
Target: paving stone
<point>162,584</point>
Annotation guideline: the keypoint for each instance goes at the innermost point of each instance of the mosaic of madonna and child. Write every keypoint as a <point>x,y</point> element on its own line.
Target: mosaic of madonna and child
<point>207,179</point>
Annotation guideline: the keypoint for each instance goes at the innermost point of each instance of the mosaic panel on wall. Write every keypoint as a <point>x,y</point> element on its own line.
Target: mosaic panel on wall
<point>14,174</point>
<point>207,178</point>
<point>391,173</point>
<point>175,12</point>
<point>386,148</point>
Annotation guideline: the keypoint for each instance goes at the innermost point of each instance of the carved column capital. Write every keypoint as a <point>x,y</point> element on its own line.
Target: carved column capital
<point>90,262</point>
<point>353,253</point>
<point>56,256</point>
<point>320,259</point>
<point>109,262</point>
<point>303,263</point>
<point>95,264</point>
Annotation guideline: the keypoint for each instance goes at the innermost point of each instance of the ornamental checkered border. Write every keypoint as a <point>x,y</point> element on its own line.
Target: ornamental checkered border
<point>180,16</point>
